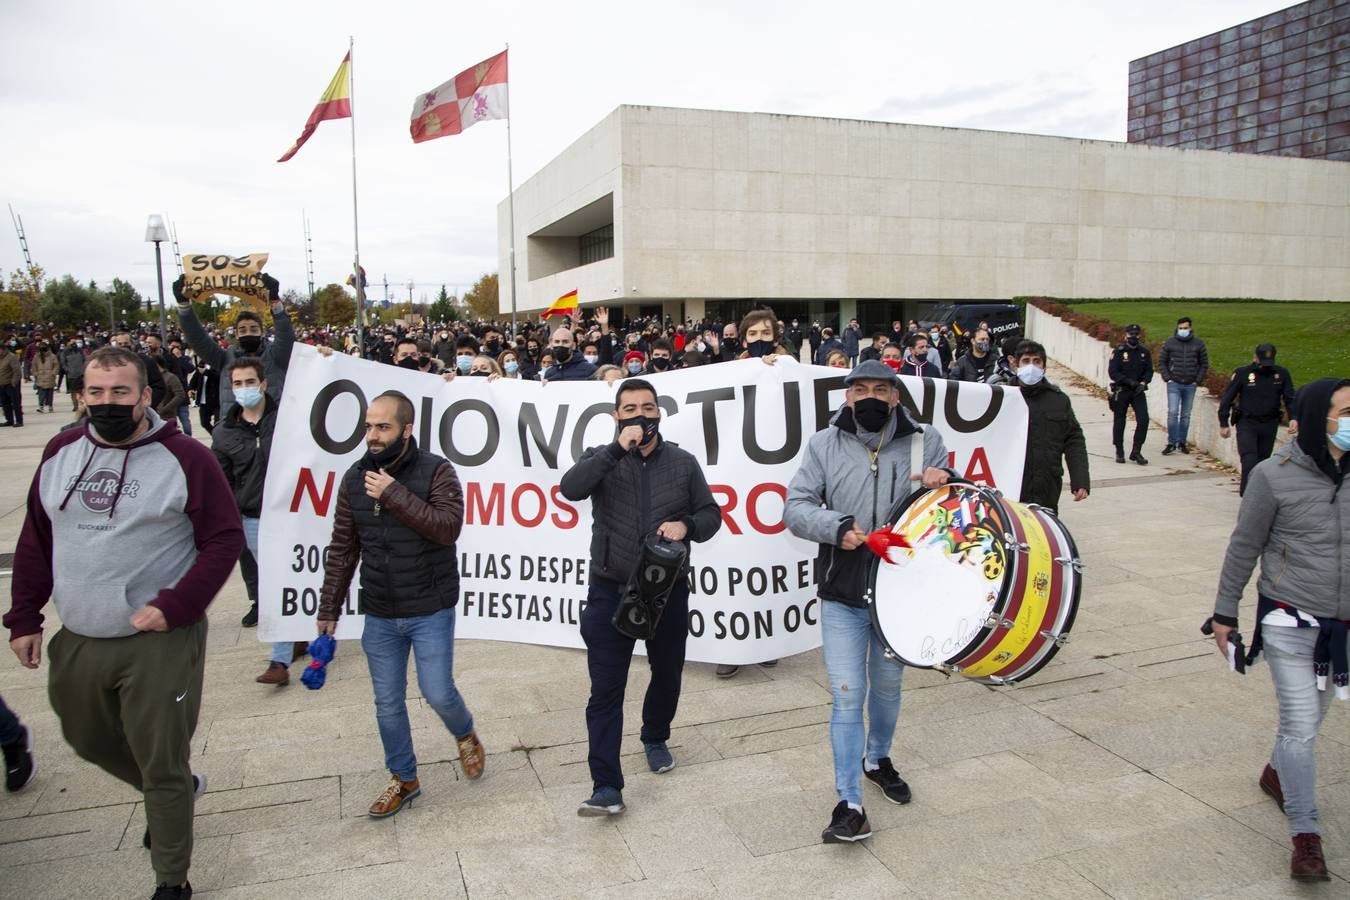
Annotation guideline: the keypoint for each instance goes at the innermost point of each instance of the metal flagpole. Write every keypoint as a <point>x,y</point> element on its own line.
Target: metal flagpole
<point>356,228</point>
<point>510,194</point>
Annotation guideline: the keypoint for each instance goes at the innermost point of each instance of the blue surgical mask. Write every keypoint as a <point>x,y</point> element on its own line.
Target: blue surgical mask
<point>511,366</point>
<point>1183,333</point>
<point>463,363</point>
<point>1030,374</point>
<point>248,397</point>
<point>1342,436</point>
<point>592,358</point>
<point>635,367</point>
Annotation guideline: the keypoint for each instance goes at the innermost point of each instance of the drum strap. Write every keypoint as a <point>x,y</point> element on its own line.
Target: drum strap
<point>915,459</point>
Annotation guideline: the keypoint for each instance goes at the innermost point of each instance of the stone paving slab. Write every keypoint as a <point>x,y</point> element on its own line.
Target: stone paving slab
<point>1126,768</point>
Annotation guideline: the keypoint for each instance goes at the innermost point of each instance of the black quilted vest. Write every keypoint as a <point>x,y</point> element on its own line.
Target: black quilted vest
<point>402,573</point>
<point>638,496</point>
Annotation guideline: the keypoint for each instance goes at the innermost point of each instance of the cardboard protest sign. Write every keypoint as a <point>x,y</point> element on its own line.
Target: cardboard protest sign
<point>238,276</point>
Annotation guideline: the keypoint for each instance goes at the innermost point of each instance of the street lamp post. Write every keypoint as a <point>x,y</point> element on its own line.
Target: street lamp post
<point>156,233</point>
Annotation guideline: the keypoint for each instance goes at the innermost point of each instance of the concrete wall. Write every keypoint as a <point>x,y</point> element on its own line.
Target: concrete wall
<point>1089,357</point>
<point>754,205</point>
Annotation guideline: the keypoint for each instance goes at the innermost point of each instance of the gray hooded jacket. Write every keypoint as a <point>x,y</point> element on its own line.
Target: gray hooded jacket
<point>1295,520</point>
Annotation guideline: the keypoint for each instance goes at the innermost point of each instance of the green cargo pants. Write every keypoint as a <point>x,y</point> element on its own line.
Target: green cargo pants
<point>129,706</point>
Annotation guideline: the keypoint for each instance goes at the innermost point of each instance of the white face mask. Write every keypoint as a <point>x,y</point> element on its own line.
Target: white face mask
<point>1030,374</point>
<point>592,358</point>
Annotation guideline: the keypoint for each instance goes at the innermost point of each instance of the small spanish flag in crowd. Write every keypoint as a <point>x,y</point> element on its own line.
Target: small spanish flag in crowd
<point>566,305</point>
<point>336,103</point>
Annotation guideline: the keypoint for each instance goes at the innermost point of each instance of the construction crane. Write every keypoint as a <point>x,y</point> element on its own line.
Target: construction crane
<point>23,238</point>
<point>177,254</point>
<point>309,253</point>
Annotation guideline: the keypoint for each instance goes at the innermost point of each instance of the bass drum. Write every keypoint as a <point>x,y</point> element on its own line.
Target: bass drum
<point>988,589</point>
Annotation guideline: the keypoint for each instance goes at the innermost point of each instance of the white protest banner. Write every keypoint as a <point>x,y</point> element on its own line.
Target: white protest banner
<point>524,548</point>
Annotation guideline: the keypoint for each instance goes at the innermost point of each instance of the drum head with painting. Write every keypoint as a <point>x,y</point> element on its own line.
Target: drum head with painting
<point>931,602</point>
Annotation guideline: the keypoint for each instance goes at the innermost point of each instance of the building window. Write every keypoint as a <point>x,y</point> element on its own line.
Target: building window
<point>597,245</point>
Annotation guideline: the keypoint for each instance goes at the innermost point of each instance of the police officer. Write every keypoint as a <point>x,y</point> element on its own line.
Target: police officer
<point>1130,371</point>
<point>1258,390</point>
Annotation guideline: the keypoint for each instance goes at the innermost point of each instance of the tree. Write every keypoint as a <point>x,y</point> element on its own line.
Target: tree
<point>126,302</point>
<point>10,309</point>
<point>482,298</point>
<point>28,283</point>
<point>299,306</point>
<point>68,303</point>
<point>443,310</point>
<point>334,306</point>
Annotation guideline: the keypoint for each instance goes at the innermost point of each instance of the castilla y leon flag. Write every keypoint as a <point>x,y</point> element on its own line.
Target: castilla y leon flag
<point>566,305</point>
<point>336,103</point>
<point>472,96</point>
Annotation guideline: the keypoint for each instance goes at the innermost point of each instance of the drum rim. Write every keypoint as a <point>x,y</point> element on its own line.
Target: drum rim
<point>1000,601</point>
<point>1036,666</point>
<point>1036,653</point>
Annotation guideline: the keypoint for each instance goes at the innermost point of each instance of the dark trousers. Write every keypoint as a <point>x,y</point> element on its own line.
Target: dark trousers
<point>608,654</point>
<point>248,570</point>
<point>1138,402</point>
<point>11,398</point>
<point>129,705</point>
<point>208,415</point>
<point>1255,442</point>
<point>10,729</point>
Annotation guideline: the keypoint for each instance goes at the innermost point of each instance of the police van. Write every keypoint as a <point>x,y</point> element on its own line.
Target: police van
<point>1004,319</point>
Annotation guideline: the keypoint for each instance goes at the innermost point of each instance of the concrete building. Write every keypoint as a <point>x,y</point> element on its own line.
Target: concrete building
<point>1278,84</point>
<point>695,212</point>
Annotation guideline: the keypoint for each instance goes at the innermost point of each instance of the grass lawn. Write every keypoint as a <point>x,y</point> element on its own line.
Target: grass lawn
<point>1312,339</point>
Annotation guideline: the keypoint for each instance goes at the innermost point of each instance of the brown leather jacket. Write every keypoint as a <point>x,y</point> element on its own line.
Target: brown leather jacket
<point>439,519</point>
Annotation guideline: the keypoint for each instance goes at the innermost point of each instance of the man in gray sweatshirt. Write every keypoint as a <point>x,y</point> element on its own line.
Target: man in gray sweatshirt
<point>130,530</point>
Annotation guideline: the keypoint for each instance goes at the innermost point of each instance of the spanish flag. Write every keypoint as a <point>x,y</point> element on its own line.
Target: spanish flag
<point>566,305</point>
<point>336,103</point>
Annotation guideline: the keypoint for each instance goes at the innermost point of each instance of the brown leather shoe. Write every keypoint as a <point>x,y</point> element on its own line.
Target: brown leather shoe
<point>1270,784</point>
<point>299,649</point>
<point>471,755</point>
<point>1308,863</point>
<point>276,673</point>
<point>397,794</point>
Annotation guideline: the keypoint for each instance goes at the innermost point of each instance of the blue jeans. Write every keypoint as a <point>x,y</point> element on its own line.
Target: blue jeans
<point>1179,400</point>
<point>185,419</point>
<point>856,667</point>
<point>432,642</point>
<point>281,650</point>
<point>1289,653</point>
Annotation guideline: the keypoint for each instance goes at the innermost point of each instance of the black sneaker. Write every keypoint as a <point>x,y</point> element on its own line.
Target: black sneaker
<point>1183,448</point>
<point>172,891</point>
<point>1120,454</point>
<point>20,767</point>
<point>250,618</point>
<point>885,777</point>
<point>1138,458</point>
<point>1167,451</point>
<point>847,825</point>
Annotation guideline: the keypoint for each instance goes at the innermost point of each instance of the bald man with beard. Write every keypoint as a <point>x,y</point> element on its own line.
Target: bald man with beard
<point>568,364</point>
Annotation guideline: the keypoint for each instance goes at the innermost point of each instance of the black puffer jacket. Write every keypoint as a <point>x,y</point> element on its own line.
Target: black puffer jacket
<point>1185,362</point>
<point>631,496</point>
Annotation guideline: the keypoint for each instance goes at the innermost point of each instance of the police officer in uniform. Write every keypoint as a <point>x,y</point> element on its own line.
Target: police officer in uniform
<point>1130,371</point>
<point>1257,390</point>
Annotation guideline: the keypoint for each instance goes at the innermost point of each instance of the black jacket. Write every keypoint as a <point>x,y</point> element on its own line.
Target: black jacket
<point>1130,367</point>
<point>242,449</point>
<point>1185,362</point>
<point>405,541</point>
<point>1255,394</point>
<point>1053,433</point>
<point>631,496</point>
<point>972,368</point>
<point>575,369</point>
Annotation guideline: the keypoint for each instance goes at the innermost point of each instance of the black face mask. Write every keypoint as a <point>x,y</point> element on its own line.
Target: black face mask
<point>561,355</point>
<point>660,363</point>
<point>114,422</point>
<point>650,426</point>
<point>920,357</point>
<point>871,413</point>
<point>408,362</point>
<point>493,347</point>
<point>1266,365</point>
<point>758,348</point>
<point>480,372</point>
<point>1132,341</point>
<point>250,344</point>
<point>387,455</point>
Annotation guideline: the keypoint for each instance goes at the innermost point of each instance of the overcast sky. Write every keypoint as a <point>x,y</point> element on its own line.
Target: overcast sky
<point>112,111</point>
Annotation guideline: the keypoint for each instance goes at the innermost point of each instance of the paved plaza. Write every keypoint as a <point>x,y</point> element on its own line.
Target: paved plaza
<point>1127,768</point>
